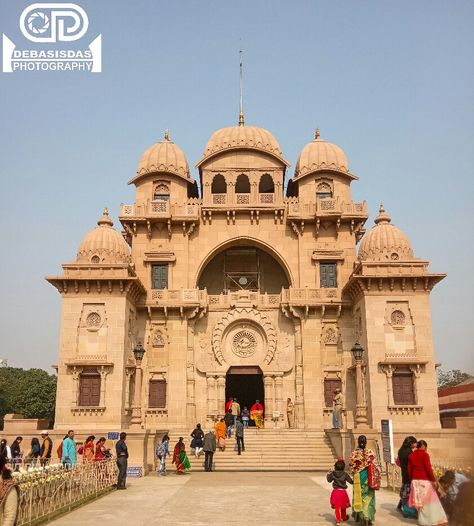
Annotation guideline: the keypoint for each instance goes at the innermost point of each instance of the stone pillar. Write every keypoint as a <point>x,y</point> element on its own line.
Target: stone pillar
<point>190,383</point>
<point>387,369</point>
<point>103,371</point>
<point>416,370</point>
<point>129,372</point>
<point>269,396</point>
<point>137,399</point>
<point>220,395</point>
<point>76,373</point>
<point>299,390</point>
<point>211,400</point>
<point>279,396</point>
<point>361,407</point>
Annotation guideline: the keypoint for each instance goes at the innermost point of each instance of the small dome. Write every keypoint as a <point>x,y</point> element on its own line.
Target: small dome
<point>321,155</point>
<point>236,137</point>
<point>103,244</point>
<point>163,156</point>
<point>385,242</point>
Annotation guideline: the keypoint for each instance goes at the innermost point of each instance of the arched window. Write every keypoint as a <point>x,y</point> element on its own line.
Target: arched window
<point>242,185</point>
<point>219,186</point>
<point>323,190</point>
<point>266,186</point>
<point>161,192</point>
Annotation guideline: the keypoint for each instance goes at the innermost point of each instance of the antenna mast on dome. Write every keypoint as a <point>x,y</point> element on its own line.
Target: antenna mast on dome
<point>241,114</point>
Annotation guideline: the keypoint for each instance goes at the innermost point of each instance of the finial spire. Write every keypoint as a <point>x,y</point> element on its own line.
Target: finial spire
<point>104,220</point>
<point>382,217</point>
<point>241,113</point>
<point>167,135</point>
<point>316,134</point>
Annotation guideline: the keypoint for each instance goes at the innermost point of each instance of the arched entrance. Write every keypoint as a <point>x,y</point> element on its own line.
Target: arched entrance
<point>246,384</point>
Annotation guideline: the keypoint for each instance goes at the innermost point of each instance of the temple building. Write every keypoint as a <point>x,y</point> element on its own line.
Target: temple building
<point>245,284</point>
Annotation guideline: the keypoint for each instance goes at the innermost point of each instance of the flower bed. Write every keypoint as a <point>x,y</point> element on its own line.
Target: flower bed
<point>48,491</point>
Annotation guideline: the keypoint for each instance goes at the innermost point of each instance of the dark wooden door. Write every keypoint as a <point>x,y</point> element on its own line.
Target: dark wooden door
<point>89,390</point>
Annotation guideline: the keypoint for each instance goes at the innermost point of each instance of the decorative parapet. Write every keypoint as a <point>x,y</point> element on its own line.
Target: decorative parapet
<point>177,297</point>
<point>86,410</point>
<point>404,409</point>
<point>325,207</point>
<point>243,298</point>
<point>161,209</point>
<point>309,296</point>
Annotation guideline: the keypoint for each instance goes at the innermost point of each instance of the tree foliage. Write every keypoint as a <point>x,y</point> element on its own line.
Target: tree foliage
<point>451,378</point>
<point>31,393</point>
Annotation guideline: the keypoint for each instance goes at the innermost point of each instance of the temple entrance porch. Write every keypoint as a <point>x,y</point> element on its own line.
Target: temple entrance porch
<point>246,384</point>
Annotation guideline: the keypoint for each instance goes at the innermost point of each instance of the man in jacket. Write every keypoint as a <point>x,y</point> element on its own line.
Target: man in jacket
<point>235,406</point>
<point>239,435</point>
<point>209,446</point>
<point>229,422</point>
<point>46,449</point>
<point>122,460</point>
<point>69,453</point>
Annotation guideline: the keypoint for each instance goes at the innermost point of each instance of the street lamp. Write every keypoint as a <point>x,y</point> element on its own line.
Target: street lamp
<point>361,408</point>
<point>138,352</point>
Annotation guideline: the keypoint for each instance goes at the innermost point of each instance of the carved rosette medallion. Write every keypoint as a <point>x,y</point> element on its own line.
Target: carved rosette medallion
<point>93,321</point>
<point>244,343</point>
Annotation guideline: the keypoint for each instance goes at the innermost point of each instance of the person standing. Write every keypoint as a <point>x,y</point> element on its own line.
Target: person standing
<point>69,452</point>
<point>122,460</point>
<point>256,414</point>
<point>35,451</point>
<point>363,502</point>
<point>221,432</point>
<point>9,496</point>
<point>88,452</point>
<point>229,422</point>
<point>245,416</point>
<point>5,451</point>
<point>228,404</point>
<point>46,449</point>
<point>162,451</point>
<point>16,453</point>
<point>339,498</point>
<point>290,413</point>
<point>209,446</point>
<point>101,452</point>
<point>337,409</point>
<point>239,435</point>
<point>403,454</point>
<point>180,459</point>
<point>197,438</point>
<point>235,406</point>
<point>423,495</point>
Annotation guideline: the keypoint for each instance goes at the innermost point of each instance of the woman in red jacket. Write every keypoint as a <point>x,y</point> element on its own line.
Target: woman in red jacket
<point>423,494</point>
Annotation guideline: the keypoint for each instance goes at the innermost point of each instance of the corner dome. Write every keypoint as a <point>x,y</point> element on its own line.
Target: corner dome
<point>321,155</point>
<point>163,156</point>
<point>385,242</point>
<point>236,137</point>
<point>103,245</point>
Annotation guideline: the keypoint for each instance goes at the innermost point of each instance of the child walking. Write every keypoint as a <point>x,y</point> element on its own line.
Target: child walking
<point>339,499</point>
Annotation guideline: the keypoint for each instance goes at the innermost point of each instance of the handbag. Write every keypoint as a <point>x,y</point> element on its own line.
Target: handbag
<point>373,477</point>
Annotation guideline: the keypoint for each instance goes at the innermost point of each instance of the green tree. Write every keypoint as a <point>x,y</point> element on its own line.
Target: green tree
<point>451,378</point>
<point>31,393</point>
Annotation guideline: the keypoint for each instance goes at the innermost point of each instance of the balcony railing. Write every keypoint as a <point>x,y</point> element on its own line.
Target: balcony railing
<point>309,296</point>
<point>227,300</point>
<point>178,297</point>
<point>189,209</point>
<point>325,207</point>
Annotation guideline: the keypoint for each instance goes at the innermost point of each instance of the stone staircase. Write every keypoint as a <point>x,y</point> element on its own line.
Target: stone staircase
<point>268,450</point>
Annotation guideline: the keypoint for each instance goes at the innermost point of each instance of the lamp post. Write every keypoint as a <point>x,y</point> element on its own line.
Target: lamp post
<point>138,352</point>
<point>361,408</point>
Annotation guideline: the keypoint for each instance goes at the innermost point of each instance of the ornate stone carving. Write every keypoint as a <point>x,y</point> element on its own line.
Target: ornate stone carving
<point>157,339</point>
<point>244,314</point>
<point>397,318</point>
<point>93,321</point>
<point>330,337</point>
<point>244,343</point>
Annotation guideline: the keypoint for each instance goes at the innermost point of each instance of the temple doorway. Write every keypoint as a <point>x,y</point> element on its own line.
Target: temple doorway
<point>246,384</point>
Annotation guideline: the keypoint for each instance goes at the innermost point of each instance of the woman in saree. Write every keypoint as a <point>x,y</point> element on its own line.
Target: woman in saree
<point>363,502</point>
<point>423,494</point>
<point>180,458</point>
<point>256,414</point>
<point>221,433</point>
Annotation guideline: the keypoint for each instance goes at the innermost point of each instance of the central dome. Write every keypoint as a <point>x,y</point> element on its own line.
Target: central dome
<point>321,155</point>
<point>236,137</point>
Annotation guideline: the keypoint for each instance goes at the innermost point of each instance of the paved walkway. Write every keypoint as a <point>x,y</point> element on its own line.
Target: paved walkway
<point>203,498</point>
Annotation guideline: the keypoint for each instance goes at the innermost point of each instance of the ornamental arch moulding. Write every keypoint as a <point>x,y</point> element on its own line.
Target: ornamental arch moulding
<point>244,334</point>
<point>239,242</point>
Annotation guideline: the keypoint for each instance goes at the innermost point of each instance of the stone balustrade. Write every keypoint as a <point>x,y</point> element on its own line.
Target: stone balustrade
<point>325,207</point>
<point>49,491</point>
<point>162,209</point>
<point>309,296</point>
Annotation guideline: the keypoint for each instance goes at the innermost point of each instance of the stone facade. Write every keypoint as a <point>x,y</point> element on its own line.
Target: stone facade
<point>243,285</point>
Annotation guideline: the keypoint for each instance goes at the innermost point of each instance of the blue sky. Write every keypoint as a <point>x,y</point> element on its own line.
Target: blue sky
<point>390,82</point>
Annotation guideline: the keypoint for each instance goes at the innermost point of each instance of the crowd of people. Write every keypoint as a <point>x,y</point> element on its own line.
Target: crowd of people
<point>430,501</point>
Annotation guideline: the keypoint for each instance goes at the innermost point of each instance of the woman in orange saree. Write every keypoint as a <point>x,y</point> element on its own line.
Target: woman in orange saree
<point>221,433</point>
